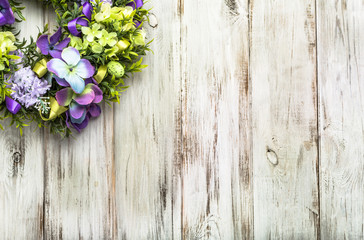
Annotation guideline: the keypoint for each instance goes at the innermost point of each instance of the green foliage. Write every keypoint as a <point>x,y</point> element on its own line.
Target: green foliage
<point>130,58</point>
<point>119,28</point>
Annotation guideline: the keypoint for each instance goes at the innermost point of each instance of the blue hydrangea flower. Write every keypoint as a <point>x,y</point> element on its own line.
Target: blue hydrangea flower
<point>72,68</point>
<point>27,87</point>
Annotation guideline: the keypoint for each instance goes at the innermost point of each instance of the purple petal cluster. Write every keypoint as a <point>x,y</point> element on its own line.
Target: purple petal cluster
<point>27,87</point>
<point>51,45</point>
<point>82,107</point>
<point>92,111</point>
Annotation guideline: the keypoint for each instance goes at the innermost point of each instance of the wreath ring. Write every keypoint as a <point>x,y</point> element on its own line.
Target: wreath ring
<point>58,81</point>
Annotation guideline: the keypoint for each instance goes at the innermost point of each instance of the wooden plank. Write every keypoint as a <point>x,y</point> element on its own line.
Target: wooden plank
<point>284,116</point>
<point>216,173</point>
<point>341,74</point>
<point>79,191</point>
<point>147,136</point>
<point>79,183</point>
<point>21,164</point>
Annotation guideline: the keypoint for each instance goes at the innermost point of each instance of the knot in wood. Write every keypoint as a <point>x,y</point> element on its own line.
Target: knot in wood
<point>153,22</point>
<point>16,157</point>
<point>272,156</point>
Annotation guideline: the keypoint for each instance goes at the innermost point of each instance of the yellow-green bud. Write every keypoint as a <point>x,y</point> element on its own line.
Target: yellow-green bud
<point>116,69</point>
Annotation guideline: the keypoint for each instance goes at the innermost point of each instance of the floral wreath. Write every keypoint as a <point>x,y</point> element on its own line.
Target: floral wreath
<point>58,81</point>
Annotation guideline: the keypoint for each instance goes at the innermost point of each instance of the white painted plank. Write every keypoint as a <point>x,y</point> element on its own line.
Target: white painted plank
<point>79,183</point>
<point>216,173</point>
<point>79,180</point>
<point>21,185</point>
<point>284,119</point>
<point>341,78</point>
<point>147,136</point>
<point>21,164</point>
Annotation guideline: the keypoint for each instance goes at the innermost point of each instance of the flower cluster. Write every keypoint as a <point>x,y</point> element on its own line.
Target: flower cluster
<point>114,33</point>
<point>59,80</point>
<point>27,88</point>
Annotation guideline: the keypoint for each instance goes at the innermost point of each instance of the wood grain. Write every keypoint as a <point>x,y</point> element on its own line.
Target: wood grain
<point>341,73</point>
<point>216,173</point>
<point>147,122</point>
<point>21,166</point>
<point>284,119</point>
<point>79,187</point>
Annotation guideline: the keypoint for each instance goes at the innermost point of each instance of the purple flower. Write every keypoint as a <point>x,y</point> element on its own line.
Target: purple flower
<point>93,111</point>
<point>135,4</point>
<point>27,87</point>
<point>72,69</point>
<point>6,14</point>
<point>81,106</point>
<point>50,46</point>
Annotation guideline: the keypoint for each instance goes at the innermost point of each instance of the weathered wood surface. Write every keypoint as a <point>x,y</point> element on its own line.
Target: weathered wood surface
<point>284,119</point>
<point>246,125</point>
<point>147,133</point>
<point>215,171</point>
<point>341,74</point>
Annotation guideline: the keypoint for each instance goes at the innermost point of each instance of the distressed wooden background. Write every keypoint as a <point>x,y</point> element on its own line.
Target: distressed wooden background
<point>248,124</point>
